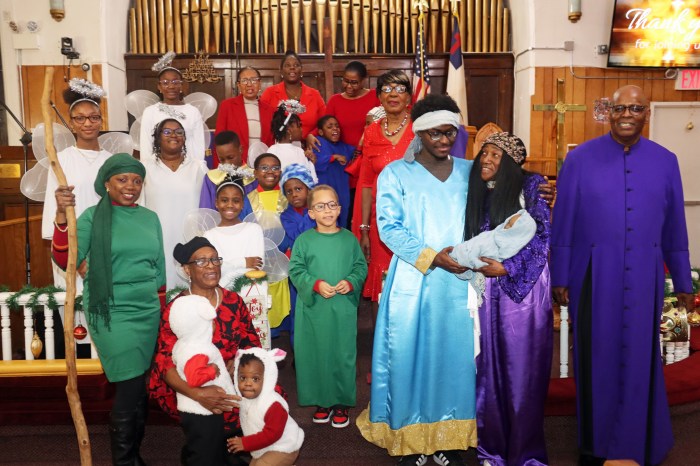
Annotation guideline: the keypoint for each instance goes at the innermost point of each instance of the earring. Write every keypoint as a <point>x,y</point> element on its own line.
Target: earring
<point>107,189</point>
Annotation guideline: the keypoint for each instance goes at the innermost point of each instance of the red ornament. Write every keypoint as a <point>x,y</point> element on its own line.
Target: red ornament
<point>79,332</point>
<point>697,301</point>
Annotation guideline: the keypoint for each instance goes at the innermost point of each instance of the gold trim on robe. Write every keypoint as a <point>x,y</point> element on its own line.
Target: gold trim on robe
<point>425,260</point>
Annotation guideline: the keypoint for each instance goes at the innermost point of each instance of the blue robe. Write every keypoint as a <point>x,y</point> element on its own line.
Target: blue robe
<point>423,370</point>
<point>333,173</point>
<point>618,218</point>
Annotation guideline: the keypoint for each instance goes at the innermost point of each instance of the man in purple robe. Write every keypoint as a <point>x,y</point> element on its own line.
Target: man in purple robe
<point>618,218</point>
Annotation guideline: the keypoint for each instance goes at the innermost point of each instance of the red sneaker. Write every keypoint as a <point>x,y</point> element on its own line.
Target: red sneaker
<point>341,418</point>
<point>322,415</point>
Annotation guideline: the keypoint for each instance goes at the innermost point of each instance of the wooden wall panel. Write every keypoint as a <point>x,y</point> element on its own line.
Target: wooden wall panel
<point>588,85</point>
<point>33,87</point>
<point>12,252</point>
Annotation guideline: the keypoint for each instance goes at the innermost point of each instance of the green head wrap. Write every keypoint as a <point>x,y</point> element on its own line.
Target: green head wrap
<point>100,255</point>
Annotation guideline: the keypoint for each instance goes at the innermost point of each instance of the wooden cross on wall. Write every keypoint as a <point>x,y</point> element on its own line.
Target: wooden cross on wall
<point>561,108</point>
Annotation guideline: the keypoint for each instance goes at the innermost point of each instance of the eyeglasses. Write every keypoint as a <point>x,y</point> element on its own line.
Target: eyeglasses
<point>266,168</point>
<point>204,261</point>
<point>400,89</point>
<point>351,82</point>
<point>635,110</point>
<point>321,206</point>
<point>168,82</point>
<point>246,81</point>
<point>80,119</point>
<point>177,132</point>
<point>436,135</point>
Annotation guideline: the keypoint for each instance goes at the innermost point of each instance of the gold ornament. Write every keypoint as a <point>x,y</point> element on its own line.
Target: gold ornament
<point>694,319</point>
<point>36,345</point>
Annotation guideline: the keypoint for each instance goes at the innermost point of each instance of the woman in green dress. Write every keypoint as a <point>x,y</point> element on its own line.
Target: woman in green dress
<point>123,245</point>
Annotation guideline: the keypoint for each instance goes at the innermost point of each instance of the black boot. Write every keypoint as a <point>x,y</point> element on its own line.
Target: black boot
<point>122,436</point>
<point>141,416</point>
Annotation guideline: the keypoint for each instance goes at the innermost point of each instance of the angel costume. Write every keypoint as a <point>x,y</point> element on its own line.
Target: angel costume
<point>189,117</point>
<point>291,153</point>
<point>234,243</point>
<point>81,167</point>
<point>171,194</point>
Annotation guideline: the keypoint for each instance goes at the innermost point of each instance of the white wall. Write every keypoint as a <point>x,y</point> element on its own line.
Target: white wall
<point>98,29</point>
<point>544,24</point>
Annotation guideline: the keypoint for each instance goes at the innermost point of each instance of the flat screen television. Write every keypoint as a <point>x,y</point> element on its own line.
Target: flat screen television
<point>655,33</point>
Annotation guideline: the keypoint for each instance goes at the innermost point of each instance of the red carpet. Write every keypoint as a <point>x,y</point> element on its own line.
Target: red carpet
<point>682,384</point>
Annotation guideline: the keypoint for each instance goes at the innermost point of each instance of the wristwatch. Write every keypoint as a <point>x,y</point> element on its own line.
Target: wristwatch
<point>364,227</point>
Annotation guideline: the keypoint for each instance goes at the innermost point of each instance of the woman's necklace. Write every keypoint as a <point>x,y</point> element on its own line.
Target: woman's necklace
<point>88,158</point>
<point>173,164</point>
<point>398,129</point>
<point>296,96</point>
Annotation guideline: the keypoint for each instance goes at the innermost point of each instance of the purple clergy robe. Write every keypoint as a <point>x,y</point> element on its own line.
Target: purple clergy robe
<point>618,217</point>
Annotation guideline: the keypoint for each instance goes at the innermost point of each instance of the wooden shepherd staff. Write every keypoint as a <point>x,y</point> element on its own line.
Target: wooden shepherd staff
<point>76,409</point>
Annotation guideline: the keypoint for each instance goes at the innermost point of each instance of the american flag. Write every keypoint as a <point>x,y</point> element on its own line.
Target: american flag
<point>421,75</point>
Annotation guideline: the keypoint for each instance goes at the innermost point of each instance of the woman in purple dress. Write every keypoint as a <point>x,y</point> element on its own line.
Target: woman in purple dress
<point>513,368</point>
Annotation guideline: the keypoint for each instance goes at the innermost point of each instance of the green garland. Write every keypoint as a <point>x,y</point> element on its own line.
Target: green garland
<point>240,282</point>
<point>695,277</point>
<point>170,294</point>
<point>33,302</point>
<point>12,301</point>
<point>4,288</point>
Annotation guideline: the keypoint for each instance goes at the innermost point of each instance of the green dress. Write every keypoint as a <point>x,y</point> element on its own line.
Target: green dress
<point>325,330</point>
<point>138,271</point>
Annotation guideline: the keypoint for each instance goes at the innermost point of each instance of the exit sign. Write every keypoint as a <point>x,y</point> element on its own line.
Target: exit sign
<point>688,80</point>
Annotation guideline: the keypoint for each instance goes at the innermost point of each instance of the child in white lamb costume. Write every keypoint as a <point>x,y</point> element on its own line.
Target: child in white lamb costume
<point>271,436</point>
<point>197,359</point>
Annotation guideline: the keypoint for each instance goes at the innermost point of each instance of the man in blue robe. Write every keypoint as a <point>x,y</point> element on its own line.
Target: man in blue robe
<point>618,218</point>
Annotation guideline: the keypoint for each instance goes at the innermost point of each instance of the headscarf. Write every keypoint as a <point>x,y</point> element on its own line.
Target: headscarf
<point>299,172</point>
<point>510,144</point>
<point>101,289</point>
<point>183,252</point>
<point>427,121</point>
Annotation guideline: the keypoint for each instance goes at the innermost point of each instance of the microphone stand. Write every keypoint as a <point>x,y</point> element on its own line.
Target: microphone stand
<point>26,139</point>
<point>60,117</point>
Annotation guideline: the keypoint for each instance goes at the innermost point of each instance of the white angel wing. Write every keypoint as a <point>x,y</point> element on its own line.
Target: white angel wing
<point>198,221</point>
<point>137,101</point>
<point>62,138</point>
<point>135,134</point>
<point>203,102</point>
<point>33,183</point>
<point>270,223</point>
<point>116,143</point>
<point>207,135</point>
<point>254,150</point>
<point>276,264</point>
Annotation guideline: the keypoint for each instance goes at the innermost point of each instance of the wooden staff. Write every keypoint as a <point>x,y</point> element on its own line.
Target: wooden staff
<point>345,22</point>
<point>133,41</point>
<point>205,14</point>
<point>216,20</point>
<point>366,15</point>
<point>177,24</point>
<point>266,25</point>
<point>356,10</point>
<point>274,15</point>
<point>139,27</point>
<point>146,26</point>
<point>226,19</point>
<point>376,10</point>
<point>154,28</point>
<point>169,27</point>
<point>296,23</point>
<point>69,309</point>
<point>499,27</point>
<point>320,15</point>
<point>185,13</point>
<point>284,18</point>
<point>194,14</point>
<point>333,15</point>
<point>307,7</point>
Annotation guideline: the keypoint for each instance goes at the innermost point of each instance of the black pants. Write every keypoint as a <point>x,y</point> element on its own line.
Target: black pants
<point>205,440</point>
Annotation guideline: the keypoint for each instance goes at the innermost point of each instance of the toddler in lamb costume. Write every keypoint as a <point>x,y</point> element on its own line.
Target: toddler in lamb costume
<point>197,359</point>
<point>271,436</point>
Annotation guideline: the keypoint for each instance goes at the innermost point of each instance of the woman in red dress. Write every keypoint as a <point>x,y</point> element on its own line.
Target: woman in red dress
<point>385,140</point>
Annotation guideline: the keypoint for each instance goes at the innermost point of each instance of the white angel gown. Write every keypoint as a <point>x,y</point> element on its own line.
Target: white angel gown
<point>189,117</point>
<point>171,195</point>
<point>235,243</point>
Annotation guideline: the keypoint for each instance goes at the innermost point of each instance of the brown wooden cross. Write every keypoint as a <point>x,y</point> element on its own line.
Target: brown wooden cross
<point>561,108</point>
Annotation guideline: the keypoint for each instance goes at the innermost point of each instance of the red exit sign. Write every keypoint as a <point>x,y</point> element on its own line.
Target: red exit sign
<point>688,80</point>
